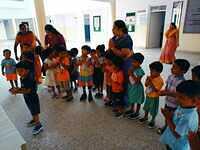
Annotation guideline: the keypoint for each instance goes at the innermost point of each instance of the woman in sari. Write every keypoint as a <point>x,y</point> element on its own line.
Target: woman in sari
<point>172,42</point>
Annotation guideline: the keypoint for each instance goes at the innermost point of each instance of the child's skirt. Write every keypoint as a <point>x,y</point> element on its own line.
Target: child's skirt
<point>151,105</point>
<point>11,76</point>
<point>136,93</point>
<point>85,81</point>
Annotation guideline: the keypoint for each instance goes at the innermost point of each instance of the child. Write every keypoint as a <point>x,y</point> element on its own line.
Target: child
<point>196,73</point>
<point>8,68</point>
<point>194,138</point>
<point>107,77</point>
<point>135,87</point>
<point>94,61</point>
<point>184,119</point>
<point>50,67</point>
<point>154,84</point>
<point>98,70</point>
<point>74,69</point>
<point>86,73</point>
<point>117,82</point>
<point>62,75</point>
<point>179,68</point>
<point>29,91</point>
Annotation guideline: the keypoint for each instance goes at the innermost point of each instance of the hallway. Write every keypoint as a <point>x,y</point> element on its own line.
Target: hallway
<point>82,125</point>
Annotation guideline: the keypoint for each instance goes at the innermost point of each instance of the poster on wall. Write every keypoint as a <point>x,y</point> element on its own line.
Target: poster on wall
<point>131,21</point>
<point>97,23</point>
<point>192,19</point>
<point>177,12</point>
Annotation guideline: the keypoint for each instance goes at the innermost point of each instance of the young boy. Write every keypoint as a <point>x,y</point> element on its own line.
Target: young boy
<point>194,138</point>
<point>117,82</point>
<point>154,84</point>
<point>179,68</point>
<point>29,91</point>
<point>184,120</point>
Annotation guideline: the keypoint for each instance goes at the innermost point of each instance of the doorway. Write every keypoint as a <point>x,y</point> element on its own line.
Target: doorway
<point>156,29</point>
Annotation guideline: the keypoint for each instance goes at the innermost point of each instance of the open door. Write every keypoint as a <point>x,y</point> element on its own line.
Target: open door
<point>156,29</point>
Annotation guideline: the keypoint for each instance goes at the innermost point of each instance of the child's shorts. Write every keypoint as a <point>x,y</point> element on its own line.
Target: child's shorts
<point>151,105</point>
<point>12,76</point>
<point>32,102</point>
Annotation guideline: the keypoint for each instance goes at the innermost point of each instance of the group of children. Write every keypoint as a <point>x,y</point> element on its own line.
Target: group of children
<point>96,69</point>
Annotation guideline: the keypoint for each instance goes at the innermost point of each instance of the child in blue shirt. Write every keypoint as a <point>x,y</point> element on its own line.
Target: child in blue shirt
<point>185,118</point>
<point>29,91</point>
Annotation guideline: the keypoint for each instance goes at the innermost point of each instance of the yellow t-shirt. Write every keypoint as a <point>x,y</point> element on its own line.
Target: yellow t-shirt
<point>158,84</point>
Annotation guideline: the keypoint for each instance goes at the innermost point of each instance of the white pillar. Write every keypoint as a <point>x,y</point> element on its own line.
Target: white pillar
<point>113,9</point>
<point>41,18</point>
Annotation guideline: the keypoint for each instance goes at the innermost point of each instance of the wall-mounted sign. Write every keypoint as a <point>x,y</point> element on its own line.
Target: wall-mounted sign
<point>97,23</point>
<point>192,19</point>
<point>131,21</point>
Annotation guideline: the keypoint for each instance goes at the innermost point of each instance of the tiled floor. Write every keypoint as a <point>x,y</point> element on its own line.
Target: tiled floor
<point>83,126</point>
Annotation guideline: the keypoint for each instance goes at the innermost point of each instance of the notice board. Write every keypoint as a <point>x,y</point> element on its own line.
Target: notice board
<point>192,19</point>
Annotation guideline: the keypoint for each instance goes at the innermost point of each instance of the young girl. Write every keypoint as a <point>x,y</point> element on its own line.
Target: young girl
<point>74,69</point>
<point>135,87</point>
<point>9,68</point>
<point>154,84</point>
<point>107,77</point>
<point>50,67</point>
<point>62,75</point>
<point>98,69</point>
<point>86,73</point>
<point>117,83</point>
<point>94,61</point>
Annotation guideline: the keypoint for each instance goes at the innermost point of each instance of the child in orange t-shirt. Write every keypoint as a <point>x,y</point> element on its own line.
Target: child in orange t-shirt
<point>117,82</point>
<point>62,74</point>
<point>107,77</point>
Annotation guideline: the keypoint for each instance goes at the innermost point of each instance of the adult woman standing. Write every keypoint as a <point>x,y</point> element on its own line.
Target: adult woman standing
<point>26,39</point>
<point>53,37</point>
<point>172,42</point>
<point>122,45</point>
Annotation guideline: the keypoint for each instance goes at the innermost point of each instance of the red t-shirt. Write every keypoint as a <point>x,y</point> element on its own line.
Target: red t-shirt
<point>117,79</point>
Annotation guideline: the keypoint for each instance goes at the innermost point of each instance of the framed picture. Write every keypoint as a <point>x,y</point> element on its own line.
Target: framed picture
<point>177,13</point>
<point>97,23</point>
<point>192,18</point>
<point>131,21</point>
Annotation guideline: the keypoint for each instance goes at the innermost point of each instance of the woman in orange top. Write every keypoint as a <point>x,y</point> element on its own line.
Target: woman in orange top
<point>25,37</point>
<point>172,42</point>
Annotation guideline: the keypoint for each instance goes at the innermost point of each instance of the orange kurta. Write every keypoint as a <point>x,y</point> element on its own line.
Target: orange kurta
<point>26,39</point>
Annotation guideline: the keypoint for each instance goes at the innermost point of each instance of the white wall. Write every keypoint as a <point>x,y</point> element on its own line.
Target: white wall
<point>188,42</point>
<point>69,20</point>
<point>16,9</point>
